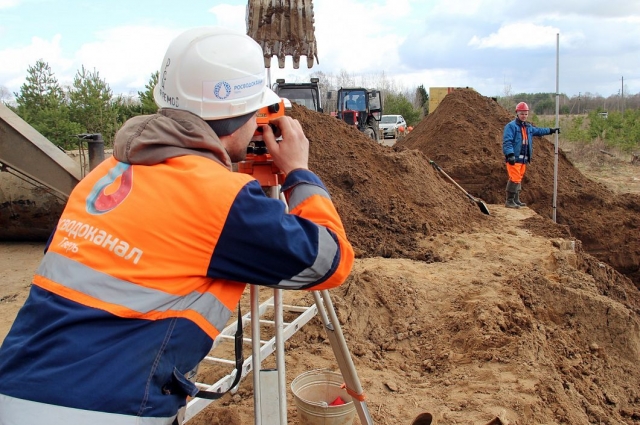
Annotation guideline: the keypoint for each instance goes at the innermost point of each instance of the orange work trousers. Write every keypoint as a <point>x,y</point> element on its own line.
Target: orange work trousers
<point>516,172</point>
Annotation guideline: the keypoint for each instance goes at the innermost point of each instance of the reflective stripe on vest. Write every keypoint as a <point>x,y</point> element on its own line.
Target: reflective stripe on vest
<point>327,247</point>
<point>80,283</point>
<point>303,192</point>
<point>312,201</point>
<point>24,412</point>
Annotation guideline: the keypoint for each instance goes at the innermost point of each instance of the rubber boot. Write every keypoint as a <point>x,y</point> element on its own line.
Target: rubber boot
<point>511,195</point>
<point>516,199</point>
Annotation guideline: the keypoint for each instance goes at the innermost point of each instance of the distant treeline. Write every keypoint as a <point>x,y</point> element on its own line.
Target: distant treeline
<point>545,103</point>
<point>613,129</point>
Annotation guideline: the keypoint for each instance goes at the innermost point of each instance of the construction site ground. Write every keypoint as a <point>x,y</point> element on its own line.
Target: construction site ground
<point>504,318</point>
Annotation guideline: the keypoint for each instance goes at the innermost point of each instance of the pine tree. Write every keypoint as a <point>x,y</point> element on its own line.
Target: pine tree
<point>149,105</point>
<point>91,105</point>
<point>41,102</point>
<point>422,100</point>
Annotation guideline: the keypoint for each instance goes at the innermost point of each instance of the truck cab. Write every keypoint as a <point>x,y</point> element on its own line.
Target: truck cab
<point>305,94</point>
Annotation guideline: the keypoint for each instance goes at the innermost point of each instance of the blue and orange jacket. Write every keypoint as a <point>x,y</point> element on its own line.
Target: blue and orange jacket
<point>514,135</point>
<point>148,261</point>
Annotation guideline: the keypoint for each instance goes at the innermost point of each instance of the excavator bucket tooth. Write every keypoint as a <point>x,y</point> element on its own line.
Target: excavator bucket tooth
<point>283,28</point>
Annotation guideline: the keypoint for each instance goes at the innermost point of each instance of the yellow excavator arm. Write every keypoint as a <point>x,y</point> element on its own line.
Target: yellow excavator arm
<point>283,28</point>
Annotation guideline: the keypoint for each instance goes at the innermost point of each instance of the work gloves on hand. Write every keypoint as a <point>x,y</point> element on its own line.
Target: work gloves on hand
<point>511,159</point>
<point>555,130</point>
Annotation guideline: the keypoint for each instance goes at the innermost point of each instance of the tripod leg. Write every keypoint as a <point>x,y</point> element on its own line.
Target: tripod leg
<point>341,351</point>
<point>255,352</point>
<point>280,363</point>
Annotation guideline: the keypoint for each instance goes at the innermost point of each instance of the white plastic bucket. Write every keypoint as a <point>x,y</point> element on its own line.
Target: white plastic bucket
<point>313,391</point>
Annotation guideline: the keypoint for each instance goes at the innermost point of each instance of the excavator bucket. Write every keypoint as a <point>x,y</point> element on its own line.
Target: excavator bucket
<point>283,28</point>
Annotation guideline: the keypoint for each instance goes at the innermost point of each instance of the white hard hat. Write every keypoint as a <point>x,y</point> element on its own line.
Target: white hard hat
<point>215,73</point>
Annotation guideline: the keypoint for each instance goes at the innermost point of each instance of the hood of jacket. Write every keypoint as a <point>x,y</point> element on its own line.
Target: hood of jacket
<point>152,139</point>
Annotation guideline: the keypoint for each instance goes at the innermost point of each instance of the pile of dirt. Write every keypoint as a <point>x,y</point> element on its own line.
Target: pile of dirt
<point>388,200</point>
<point>476,336</point>
<point>464,136</point>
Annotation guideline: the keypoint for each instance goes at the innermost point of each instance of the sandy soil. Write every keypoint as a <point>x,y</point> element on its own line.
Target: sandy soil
<point>506,317</point>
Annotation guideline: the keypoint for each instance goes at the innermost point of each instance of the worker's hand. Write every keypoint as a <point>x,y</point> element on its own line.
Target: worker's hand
<point>555,130</point>
<point>292,151</point>
<point>511,159</point>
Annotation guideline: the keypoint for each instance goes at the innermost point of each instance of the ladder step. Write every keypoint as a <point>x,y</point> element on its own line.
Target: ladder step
<point>247,340</point>
<point>285,307</point>
<point>219,360</point>
<point>305,314</point>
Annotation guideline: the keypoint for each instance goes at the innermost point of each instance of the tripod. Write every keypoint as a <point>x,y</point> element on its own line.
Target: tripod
<point>266,401</point>
<point>261,166</point>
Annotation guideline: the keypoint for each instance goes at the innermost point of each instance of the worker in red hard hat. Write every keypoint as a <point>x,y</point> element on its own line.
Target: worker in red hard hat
<point>517,146</point>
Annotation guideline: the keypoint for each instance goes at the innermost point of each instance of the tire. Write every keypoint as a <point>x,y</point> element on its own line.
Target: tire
<point>370,133</point>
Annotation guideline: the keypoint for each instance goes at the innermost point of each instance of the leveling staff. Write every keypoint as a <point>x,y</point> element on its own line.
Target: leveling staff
<point>144,268</point>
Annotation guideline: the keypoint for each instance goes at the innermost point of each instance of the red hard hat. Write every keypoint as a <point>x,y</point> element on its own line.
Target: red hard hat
<point>522,107</point>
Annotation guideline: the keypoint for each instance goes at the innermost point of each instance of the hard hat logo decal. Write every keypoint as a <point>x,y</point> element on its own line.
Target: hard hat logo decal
<point>100,199</point>
<point>236,89</point>
<point>248,85</point>
<point>219,87</point>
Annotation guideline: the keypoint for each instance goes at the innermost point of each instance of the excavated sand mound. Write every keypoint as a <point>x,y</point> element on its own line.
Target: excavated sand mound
<point>464,136</point>
<point>388,200</point>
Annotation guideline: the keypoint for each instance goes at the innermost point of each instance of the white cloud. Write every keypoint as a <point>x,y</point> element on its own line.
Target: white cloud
<point>519,34</point>
<point>16,61</point>
<point>229,16</point>
<point>126,56</point>
<point>6,4</point>
<point>362,37</point>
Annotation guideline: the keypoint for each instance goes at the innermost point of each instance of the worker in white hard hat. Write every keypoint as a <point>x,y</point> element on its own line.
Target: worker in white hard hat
<point>517,146</point>
<point>155,245</point>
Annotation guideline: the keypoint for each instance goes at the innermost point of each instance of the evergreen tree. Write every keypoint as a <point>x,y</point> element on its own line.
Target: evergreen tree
<point>144,104</point>
<point>148,103</point>
<point>422,101</point>
<point>126,107</point>
<point>41,91</point>
<point>42,103</point>
<point>92,106</point>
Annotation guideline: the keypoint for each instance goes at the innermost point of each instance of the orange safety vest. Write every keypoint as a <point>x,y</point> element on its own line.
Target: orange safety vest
<point>129,242</point>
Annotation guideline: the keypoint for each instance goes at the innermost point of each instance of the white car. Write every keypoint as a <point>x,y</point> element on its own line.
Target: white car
<point>390,125</point>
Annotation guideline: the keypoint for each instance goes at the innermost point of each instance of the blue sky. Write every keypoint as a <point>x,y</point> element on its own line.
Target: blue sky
<point>497,47</point>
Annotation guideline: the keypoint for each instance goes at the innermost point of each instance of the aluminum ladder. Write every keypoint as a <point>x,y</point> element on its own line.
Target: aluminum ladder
<point>265,347</point>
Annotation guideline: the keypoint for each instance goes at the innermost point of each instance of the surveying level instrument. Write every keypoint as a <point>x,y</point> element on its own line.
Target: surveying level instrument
<point>270,406</point>
<point>258,162</point>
